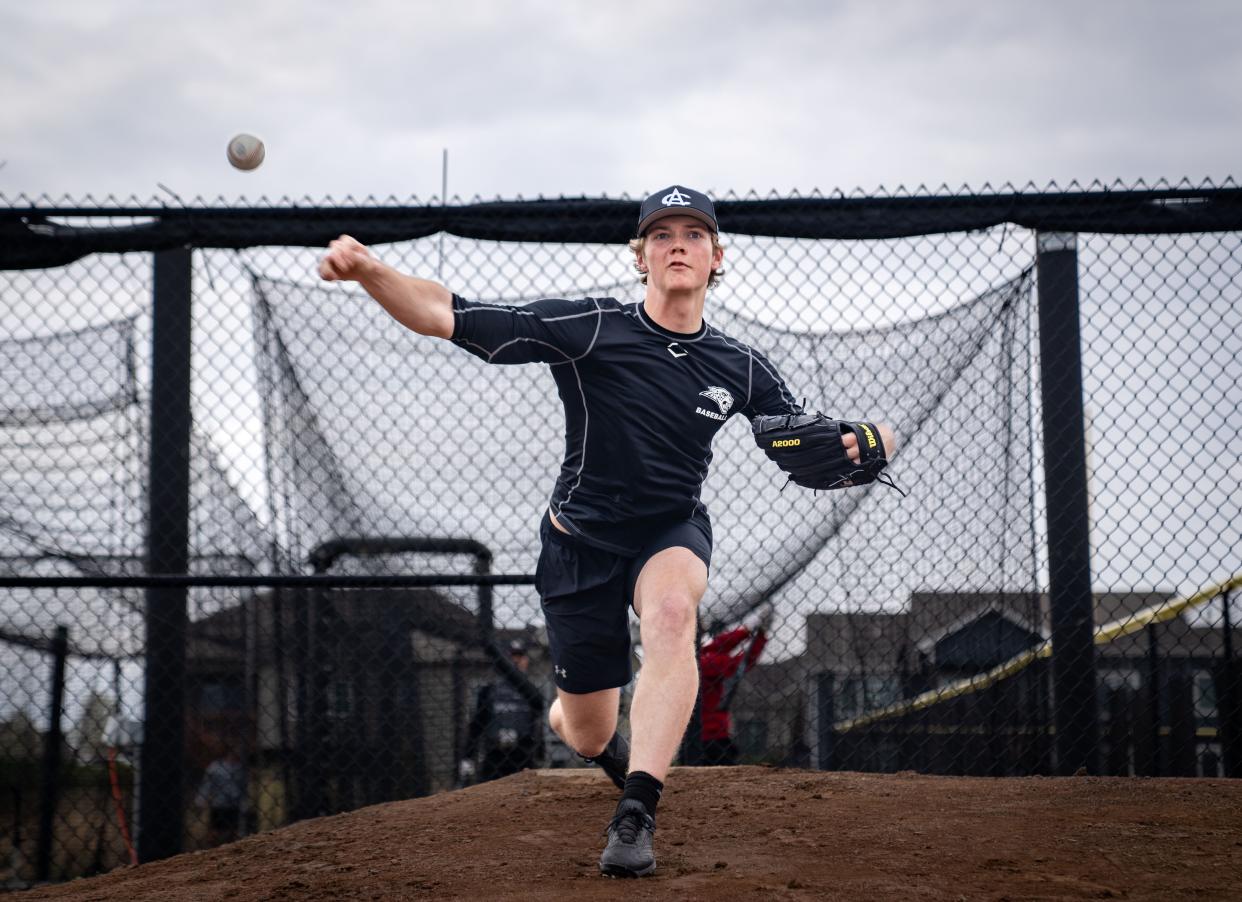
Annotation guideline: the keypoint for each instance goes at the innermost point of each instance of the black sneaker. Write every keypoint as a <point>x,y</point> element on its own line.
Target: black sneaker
<point>628,853</point>
<point>614,759</point>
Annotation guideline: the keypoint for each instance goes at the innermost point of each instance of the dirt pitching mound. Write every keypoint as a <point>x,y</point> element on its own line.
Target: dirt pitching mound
<point>746,832</point>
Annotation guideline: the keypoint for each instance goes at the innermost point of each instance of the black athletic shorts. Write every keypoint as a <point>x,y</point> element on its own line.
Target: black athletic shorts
<point>587,594</point>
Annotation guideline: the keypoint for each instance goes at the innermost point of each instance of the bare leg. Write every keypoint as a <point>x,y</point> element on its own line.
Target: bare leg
<point>585,721</point>
<point>667,598</point>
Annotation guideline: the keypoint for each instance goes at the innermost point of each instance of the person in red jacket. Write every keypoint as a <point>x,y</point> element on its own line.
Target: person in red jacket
<point>721,666</point>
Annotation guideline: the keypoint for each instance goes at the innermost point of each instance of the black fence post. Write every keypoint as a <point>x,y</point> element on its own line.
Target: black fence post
<point>53,740</point>
<point>1229,699</point>
<point>310,799</point>
<point>1183,743</point>
<point>1065,463</point>
<point>827,755</point>
<point>162,777</point>
<point>1155,692</point>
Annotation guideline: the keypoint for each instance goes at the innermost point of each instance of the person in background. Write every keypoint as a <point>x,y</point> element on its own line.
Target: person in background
<point>504,727</point>
<point>222,795</point>
<point>721,667</point>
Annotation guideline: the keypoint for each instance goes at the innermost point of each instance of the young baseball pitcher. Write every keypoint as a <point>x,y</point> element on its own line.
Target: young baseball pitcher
<point>646,387</point>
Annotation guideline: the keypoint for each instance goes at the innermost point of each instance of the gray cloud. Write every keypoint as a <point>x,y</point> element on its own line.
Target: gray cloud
<point>555,98</point>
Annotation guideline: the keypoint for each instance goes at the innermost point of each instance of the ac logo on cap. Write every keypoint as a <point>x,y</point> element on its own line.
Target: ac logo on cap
<point>676,199</point>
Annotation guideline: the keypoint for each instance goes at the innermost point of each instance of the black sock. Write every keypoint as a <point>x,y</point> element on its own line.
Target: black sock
<point>642,787</point>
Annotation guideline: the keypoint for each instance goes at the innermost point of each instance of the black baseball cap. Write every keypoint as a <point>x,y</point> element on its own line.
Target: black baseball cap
<point>517,647</point>
<point>677,200</point>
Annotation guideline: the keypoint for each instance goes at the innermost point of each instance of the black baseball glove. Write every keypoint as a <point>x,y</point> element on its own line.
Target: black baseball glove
<point>808,447</point>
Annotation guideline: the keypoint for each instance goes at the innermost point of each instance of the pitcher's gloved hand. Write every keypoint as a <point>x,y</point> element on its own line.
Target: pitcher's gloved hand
<point>810,448</point>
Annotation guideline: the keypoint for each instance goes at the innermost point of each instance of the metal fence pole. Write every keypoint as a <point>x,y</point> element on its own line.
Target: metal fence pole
<point>162,779</point>
<point>1065,463</point>
<point>1155,675</point>
<point>52,743</point>
<point>827,755</point>
<point>1229,705</point>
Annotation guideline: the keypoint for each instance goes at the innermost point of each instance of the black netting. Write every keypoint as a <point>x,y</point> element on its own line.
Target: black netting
<point>326,441</point>
<point>428,477</point>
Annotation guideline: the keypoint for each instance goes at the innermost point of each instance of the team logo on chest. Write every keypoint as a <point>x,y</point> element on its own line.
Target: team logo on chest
<point>723,400</point>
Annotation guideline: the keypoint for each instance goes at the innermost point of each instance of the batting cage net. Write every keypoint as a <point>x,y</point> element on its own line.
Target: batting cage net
<point>267,555</point>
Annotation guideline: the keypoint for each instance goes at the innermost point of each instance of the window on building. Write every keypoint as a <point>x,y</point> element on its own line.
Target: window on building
<point>1205,699</point>
<point>1115,683</point>
<point>858,694</point>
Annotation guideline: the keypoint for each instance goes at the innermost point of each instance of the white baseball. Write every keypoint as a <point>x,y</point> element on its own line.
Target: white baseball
<point>245,152</point>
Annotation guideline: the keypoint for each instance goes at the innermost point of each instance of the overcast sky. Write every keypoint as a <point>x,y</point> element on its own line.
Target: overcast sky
<point>559,98</point>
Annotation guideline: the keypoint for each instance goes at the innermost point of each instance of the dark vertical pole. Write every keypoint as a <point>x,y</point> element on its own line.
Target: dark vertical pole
<point>1183,743</point>
<point>312,700</point>
<point>52,743</point>
<point>301,807</point>
<point>1065,463</point>
<point>487,625</point>
<point>1117,702</point>
<point>162,761</point>
<point>282,696</point>
<point>389,683</point>
<point>459,707</point>
<point>17,839</point>
<point>1154,677</point>
<point>323,749</point>
<point>826,757</point>
<point>1229,705</point>
<point>412,723</point>
<point>1044,746</point>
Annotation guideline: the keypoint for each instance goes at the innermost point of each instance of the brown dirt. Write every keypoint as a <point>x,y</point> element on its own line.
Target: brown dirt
<point>738,832</point>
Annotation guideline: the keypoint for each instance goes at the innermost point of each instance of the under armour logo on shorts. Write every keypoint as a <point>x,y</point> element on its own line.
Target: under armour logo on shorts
<point>561,672</point>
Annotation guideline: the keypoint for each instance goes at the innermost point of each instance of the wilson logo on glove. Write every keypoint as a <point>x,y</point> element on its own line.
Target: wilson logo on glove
<point>809,447</point>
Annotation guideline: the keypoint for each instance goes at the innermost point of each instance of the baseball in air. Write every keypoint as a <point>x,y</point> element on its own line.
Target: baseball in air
<point>245,152</point>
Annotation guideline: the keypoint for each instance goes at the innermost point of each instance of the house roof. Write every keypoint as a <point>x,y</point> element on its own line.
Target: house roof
<point>927,643</point>
<point>874,640</point>
<point>940,613</point>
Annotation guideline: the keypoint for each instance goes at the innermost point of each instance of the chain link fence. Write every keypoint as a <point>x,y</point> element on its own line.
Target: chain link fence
<point>267,555</point>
